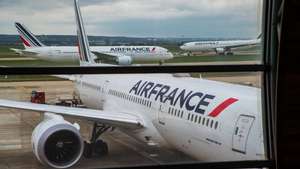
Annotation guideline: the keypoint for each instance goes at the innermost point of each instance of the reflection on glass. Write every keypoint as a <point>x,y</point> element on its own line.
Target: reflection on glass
<point>136,32</point>
<point>154,118</point>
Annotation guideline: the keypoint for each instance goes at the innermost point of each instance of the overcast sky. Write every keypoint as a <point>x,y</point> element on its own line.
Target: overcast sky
<point>139,18</point>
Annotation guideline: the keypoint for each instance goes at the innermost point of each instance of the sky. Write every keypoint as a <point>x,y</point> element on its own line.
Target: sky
<point>136,18</point>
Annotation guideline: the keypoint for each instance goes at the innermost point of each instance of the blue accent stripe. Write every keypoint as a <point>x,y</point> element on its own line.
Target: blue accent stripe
<point>28,35</point>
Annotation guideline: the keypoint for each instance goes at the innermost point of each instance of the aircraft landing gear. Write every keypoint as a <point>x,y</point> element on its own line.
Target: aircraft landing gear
<point>229,53</point>
<point>161,62</point>
<point>96,147</point>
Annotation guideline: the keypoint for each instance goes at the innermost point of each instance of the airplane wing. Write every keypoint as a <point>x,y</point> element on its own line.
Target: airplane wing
<point>66,77</point>
<point>118,119</point>
<point>17,51</point>
<point>108,57</point>
<point>23,52</point>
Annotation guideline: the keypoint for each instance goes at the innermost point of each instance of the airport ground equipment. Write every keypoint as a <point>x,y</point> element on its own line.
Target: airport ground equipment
<point>38,97</point>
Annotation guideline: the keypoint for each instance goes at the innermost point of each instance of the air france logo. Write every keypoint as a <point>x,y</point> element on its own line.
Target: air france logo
<point>190,100</point>
<point>132,49</point>
<point>153,50</point>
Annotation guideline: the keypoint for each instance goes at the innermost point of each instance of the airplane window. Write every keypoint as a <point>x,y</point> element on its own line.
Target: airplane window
<point>207,122</point>
<point>216,125</point>
<point>168,43</point>
<point>200,99</point>
<point>203,121</point>
<point>200,61</point>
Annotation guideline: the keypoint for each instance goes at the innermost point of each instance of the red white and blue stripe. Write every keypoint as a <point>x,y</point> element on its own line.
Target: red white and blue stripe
<point>28,39</point>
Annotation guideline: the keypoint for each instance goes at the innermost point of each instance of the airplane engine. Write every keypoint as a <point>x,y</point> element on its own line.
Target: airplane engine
<point>56,142</point>
<point>220,50</point>
<point>124,60</point>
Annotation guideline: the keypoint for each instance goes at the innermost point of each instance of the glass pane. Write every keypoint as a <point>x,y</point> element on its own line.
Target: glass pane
<point>220,117</point>
<point>193,32</point>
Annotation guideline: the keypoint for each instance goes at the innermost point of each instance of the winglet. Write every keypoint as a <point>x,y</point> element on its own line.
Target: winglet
<point>83,43</point>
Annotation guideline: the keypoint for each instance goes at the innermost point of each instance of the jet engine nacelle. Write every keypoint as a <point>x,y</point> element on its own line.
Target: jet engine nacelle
<point>56,142</point>
<point>220,50</point>
<point>124,60</point>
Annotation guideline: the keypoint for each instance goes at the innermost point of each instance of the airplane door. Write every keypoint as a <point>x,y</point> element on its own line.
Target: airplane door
<point>102,94</point>
<point>241,132</point>
<point>161,115</point>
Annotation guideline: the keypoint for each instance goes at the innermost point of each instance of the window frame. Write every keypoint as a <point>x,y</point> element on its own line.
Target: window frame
<point>266,67</point>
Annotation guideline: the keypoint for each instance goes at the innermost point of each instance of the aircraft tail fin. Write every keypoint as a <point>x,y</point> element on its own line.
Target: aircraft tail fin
<point>28,39</point>
<point>85,54</point>
<point>259,36</point>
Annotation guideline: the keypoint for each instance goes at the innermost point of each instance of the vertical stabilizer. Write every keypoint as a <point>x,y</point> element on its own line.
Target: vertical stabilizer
<point>85,55</point>
<point>28,39</point>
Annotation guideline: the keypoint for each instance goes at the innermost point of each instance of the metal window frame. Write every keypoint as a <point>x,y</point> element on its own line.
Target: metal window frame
<point>266,68</point>
<point>132,70</point>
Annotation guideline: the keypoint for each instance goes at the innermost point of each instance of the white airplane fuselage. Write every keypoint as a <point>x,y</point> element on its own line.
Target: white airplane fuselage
<point>70,53</point>
<point>215,45</point>
<point>188,119</point>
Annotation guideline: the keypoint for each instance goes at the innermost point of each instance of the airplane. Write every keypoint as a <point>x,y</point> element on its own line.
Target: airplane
<point>121,55</point>
<point>207,120</point>
<point>220,47</point>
